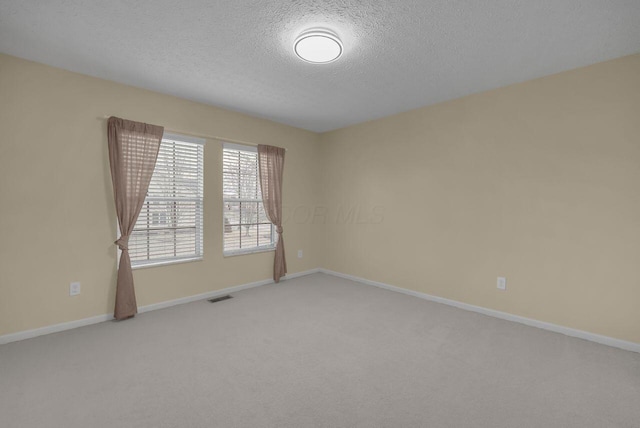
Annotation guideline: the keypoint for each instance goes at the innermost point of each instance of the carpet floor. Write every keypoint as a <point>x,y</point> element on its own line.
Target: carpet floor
<point>316,351</point>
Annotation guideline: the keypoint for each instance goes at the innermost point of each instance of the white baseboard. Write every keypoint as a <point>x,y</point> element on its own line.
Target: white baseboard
<point>28,334</point>
<point>604,340</point>
<point>303,273</point>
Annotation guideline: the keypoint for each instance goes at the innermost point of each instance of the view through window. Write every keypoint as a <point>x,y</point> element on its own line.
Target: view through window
<point>246,226</point>
<point>170,226</point>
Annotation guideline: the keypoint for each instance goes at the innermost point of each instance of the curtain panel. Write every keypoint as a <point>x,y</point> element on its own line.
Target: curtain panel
<point>133,150</point>
<point>271,167</point>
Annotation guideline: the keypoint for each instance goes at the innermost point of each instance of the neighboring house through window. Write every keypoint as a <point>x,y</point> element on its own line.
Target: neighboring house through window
<point>246,228</point>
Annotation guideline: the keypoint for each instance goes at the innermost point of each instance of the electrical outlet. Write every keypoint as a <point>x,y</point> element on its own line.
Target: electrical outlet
<point>299,254</point>
<point>502,283</point>
<point>74,289</point>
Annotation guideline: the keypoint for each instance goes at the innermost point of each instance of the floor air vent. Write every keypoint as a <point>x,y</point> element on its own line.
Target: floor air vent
<point>220,299</point>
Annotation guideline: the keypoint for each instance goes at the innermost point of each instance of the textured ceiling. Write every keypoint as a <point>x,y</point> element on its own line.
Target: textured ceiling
<point>399,55</point>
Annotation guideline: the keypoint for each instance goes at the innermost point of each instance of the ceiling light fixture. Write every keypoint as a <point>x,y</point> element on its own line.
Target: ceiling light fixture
<point>318,46</point>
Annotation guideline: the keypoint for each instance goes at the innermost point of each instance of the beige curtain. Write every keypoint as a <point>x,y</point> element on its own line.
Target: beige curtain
<point>133,150</point>
<point>271,164</point>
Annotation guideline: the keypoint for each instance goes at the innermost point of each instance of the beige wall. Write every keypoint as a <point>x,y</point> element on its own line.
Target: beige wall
<point>538,182</point>
<point>57,219</point>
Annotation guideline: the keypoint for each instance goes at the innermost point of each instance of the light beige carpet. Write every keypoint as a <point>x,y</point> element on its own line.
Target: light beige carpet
<point>316,351</point>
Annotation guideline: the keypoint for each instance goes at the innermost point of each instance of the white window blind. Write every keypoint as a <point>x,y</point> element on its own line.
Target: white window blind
<point>246,226</point>
<point>169,228</point>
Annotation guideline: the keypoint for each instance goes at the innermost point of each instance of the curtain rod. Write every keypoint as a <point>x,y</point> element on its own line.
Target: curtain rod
<point>209,137</point>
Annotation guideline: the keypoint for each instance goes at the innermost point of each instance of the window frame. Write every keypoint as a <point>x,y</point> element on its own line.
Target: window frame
<point>258,248</point>
<point>198,214</point>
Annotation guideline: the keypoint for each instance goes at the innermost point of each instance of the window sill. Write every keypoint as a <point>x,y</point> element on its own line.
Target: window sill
<point>158,263</point>
<point>249,251</point>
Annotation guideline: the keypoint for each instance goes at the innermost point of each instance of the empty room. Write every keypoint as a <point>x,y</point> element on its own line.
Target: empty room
<point>340,213</point>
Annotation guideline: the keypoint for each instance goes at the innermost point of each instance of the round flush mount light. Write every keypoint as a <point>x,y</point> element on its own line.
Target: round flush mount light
<point>318,46</point>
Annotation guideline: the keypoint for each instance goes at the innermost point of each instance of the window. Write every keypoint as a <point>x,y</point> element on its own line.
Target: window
<point>169,228</point>
<point>246,226</point>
